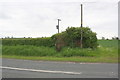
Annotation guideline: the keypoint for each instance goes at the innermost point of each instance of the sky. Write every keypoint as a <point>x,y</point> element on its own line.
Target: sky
<point>38,18</point>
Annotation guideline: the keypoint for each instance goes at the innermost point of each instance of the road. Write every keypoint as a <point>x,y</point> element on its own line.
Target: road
<point>14,68</point>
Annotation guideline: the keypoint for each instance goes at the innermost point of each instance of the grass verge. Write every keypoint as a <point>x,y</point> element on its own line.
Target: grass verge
<point>71,59</point>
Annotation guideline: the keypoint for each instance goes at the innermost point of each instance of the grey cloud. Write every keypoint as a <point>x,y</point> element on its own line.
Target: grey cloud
<point>39,19</point>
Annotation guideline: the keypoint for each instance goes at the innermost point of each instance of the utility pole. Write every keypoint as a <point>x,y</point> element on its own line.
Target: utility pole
<point>81,27</point>
<point>57,26</point>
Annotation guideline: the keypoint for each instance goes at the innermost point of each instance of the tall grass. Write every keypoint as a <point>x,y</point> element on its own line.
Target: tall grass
<point>28,50</point>
<point>107,48</point>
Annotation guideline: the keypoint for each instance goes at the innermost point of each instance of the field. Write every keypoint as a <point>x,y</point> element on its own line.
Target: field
<point>107,51</point>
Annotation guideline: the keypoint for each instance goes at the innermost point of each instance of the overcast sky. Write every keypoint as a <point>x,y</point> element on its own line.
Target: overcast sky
<point>38,18</point>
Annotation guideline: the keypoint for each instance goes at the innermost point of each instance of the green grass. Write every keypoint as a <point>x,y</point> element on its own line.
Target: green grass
<point>108,43</point>
<point>28,50</point>
<point>71,59</point>
<point>108,48</point>
<point>106,52</point>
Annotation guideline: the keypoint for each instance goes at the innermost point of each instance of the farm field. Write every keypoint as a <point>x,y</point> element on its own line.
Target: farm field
<point>107,52</point>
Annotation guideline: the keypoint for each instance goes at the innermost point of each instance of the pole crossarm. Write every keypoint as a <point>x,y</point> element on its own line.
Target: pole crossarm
<point>58,25</point>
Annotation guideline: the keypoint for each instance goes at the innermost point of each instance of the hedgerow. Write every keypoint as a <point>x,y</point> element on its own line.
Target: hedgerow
<point>29,41</point>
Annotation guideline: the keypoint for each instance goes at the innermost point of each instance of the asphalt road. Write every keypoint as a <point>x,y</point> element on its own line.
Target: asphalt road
<point>14,68</point>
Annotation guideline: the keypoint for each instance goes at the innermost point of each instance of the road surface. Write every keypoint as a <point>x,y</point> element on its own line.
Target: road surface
<point>14,68</point>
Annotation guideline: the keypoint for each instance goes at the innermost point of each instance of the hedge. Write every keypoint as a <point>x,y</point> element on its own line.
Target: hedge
<point>29,41</point>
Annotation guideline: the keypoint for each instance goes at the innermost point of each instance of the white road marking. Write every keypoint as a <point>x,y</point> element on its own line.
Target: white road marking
<point>34,70</point>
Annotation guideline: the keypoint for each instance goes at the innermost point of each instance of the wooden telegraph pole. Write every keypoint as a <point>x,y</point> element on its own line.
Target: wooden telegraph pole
<point>81,27</point>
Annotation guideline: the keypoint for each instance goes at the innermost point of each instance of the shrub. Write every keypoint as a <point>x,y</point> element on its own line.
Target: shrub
<point>71,37</point>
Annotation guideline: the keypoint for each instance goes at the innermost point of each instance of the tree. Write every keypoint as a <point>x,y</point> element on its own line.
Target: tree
<point>71,37</point>
<point>117,38</point>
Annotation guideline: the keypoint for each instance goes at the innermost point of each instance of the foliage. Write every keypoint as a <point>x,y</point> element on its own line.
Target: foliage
<point>72,36</point>
<point>29,41</point>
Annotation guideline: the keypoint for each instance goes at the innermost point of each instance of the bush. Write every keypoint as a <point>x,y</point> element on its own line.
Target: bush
<point>71,37</point>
